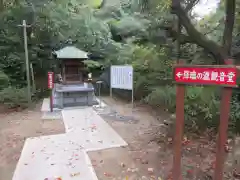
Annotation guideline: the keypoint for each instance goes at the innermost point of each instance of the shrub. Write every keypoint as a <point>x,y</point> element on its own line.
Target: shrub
<point>4,80</point>
<point>234,125</point>
<point>201,105</point>
<point>13,97</point>
<point>163,96</point>
<point>201,108</point>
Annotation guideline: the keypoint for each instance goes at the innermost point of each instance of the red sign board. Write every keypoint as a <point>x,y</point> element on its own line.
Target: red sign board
<point>225,76</point>
<point>50,80</point>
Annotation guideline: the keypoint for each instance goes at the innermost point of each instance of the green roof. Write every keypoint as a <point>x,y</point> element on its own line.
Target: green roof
<point>71,52</point>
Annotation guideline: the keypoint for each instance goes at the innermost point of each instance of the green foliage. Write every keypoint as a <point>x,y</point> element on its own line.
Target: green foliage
<point>234,124</point>
<point>13,97</point>
<point>122,32</point>
<point>4,80</point>
<point>94,3</point>
<point>92,64</point>
<point>202,108</point>
<point>164,96</point>
<point>152,68</point>
<point>201,105</point>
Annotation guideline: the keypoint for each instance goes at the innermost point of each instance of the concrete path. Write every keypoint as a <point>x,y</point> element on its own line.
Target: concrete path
<point>65,156</point>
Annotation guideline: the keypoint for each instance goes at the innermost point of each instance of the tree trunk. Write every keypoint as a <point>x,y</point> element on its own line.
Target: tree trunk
<point>219,52</point>
<point>1,5</point>
<point>228,30</point>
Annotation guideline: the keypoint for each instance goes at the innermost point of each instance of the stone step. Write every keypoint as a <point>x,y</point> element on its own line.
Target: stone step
<point>46,112</point>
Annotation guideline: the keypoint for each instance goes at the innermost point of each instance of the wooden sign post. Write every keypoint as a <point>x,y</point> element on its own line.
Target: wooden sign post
<point>50,86</point>
<point>225,76</point>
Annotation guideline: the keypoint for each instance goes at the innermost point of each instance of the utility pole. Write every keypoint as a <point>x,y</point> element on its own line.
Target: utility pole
<point>24,25</point>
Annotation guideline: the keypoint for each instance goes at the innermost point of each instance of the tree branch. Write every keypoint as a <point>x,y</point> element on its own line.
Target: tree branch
<point>183,39</point>
<point>191,4</point>
<point>196,36</point>
<point>213,29</point>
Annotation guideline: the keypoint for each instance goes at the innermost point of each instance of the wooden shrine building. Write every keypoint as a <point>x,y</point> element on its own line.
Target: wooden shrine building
<point>72,87</point>
<point>72,68</point>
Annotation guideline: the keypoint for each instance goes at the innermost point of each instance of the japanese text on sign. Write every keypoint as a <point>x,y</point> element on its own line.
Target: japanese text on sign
<point>50,80</point>
<point>206,75</point>
<point>122,77</point>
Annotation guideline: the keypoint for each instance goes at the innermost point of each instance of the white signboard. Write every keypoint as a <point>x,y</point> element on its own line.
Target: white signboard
<point>122,77</point>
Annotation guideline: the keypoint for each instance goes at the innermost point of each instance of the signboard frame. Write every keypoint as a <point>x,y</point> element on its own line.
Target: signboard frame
<point>132,79</point>
<point>224,119</point>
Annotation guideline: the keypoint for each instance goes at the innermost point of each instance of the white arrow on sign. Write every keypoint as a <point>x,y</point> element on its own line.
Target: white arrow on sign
<point>179,74</point>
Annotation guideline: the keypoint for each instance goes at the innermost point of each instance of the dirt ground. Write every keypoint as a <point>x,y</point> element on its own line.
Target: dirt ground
<point>140,160</point>
<point>148,155</point>
<point>14,129</point>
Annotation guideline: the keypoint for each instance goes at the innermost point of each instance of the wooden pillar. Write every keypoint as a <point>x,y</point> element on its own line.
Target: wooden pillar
<point>63,73</point>
<point>179,130</point>
<point>225,107</point>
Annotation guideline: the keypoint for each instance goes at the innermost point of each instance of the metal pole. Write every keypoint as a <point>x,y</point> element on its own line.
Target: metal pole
<point>110,91</point>
<point>110,81</point>
<point>33,79</point>
<point>27,61</point>
<point>99,96</point>
<point>132,91</point>
<point>51,100</point>
<point>99,92</point>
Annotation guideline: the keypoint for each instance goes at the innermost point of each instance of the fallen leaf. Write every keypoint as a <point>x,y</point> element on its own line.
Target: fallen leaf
<point>236,174</point>
<point>135,170</point>
<point>153,177</point>
<point>69,164</point>
<point>190,171</point>
<point>122,165</point>
<point>213,164</point>
<point>150,170</point>
<point>107,174</point>
<point>144,161</point>
<point>75,174</point>
<point>227,148</point>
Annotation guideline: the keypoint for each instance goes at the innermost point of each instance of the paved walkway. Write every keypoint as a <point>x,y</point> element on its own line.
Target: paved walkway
<point>65,156</point>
